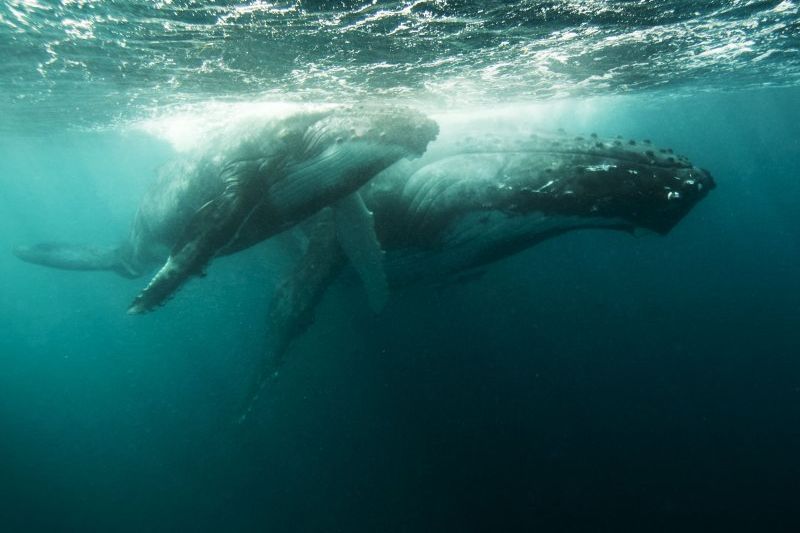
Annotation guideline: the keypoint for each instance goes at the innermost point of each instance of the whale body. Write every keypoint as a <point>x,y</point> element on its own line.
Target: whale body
<point>246,185</point>
<point>469,203</point>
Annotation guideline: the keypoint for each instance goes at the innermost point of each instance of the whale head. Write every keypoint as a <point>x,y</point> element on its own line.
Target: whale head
<point>633,183</point>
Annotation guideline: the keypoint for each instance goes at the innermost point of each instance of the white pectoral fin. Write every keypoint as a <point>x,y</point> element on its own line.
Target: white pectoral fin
<point>355,230</point>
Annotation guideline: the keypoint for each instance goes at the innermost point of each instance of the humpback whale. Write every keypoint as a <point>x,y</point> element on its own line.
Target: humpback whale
<point>250,183</point>
<point>472,202</point>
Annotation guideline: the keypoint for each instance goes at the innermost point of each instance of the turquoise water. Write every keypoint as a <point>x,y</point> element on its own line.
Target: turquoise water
<point>594,382</point>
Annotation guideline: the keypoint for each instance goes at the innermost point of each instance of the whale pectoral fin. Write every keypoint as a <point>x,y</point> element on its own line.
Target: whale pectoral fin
<point>213,226</point>
<point>189,256</point>
<point>291,309</point>
<point>355,231</point>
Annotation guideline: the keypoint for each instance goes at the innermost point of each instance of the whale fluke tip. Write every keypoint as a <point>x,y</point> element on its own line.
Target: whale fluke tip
<point>136,308</point>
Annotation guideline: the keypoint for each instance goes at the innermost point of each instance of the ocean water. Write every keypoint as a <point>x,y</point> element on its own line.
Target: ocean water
<point>595,382</point>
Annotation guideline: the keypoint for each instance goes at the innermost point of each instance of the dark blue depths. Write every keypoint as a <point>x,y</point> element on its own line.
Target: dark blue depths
<point>595,382</point>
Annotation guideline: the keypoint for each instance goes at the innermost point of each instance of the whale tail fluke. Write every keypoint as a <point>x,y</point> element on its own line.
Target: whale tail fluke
<point>78,257</point>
